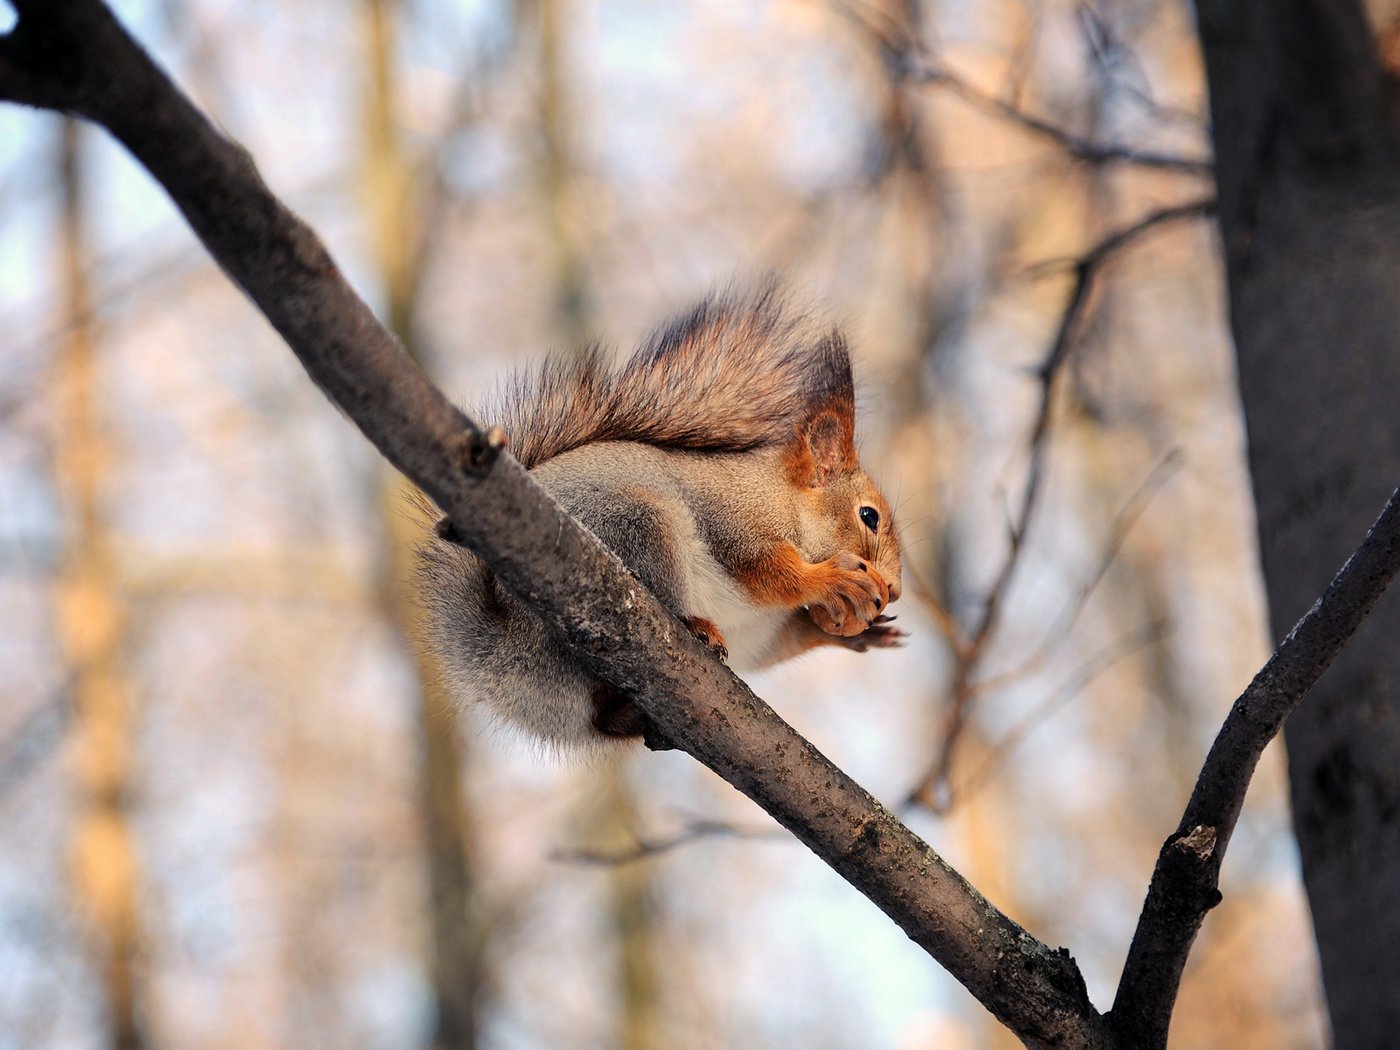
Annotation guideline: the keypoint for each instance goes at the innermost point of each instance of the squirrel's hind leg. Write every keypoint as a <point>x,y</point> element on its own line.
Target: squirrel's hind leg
<point>647,528</point>
<point>615,714</point>
<point>708,632</point>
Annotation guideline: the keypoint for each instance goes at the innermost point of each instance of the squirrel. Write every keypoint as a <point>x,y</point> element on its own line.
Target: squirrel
<point>719,464</point>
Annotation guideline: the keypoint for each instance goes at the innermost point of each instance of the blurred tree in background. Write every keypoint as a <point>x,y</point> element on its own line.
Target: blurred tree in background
<point>236,810</point>
<point>1306,140</point>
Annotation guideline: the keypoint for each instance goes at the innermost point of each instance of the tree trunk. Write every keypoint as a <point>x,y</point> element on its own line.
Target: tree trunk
<point>456,932</point>
<point>91,625</point>
<point>1306,151</point>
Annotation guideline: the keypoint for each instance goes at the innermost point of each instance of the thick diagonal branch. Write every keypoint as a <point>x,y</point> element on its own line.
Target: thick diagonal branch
<point>75,56</point>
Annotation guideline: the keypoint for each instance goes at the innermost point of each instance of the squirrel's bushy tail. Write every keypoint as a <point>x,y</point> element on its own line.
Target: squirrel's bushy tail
<point>732,375</point>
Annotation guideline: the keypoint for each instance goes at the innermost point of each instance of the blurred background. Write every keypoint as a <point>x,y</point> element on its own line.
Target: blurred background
<point>235,810</point>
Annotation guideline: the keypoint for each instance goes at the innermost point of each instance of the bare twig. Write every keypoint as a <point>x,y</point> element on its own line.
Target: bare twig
<point>695,830</point>
<point>931,790</point>
<point>908,59</point>
<point>75,57</point>
<point>1080,680</point>
<point>1185,883</point>
<point>924,71</point>
<point>1130,513</point>
<point>1114,242</point>
<point>1110,54</point>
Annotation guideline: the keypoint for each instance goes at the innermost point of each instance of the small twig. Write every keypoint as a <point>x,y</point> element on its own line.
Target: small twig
<point>1128,516</point>
<point>1096,665</point>
<point>1086,269</point>
<point>1198,208</point>
<point>644,848</point>
<point>907,58</point>
<point>931,789</point>
<point>922,71</point>
<point>1110,54</point>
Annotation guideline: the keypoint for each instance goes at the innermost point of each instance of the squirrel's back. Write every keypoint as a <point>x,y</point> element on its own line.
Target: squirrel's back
<point>732,375</point>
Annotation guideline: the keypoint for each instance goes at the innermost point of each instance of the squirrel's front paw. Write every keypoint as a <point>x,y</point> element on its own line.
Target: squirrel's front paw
<point>854,595</point>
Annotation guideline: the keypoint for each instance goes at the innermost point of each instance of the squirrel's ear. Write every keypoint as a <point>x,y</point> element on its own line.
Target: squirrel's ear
<point>825,448</point>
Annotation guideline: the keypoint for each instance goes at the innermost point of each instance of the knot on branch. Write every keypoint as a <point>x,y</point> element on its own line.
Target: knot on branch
<point>656,739</point>
<point>866,838</point>
<point>1062,971</point>
<point>1188,864</point>
<point>478,451</point>
<point>1199,842</point>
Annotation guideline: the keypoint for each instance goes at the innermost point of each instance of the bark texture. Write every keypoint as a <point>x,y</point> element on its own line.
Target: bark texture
<point>1307,147</point>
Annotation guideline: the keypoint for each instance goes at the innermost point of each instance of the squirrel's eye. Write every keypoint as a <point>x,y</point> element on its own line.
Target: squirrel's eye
<point>871,517</point>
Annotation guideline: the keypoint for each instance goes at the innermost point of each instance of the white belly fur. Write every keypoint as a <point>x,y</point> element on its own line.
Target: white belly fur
<point>749,631</point>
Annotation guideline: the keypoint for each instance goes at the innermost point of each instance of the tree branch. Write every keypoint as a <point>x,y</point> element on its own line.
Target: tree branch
<point>902,48</point>
<point>75,56</point>
<point>696,829</point>
<point>1185,883</point>
<point>1076,146</point>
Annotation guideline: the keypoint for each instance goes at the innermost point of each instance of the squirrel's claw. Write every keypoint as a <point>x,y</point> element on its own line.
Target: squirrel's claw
<point>877,636</point>
<point>708,632</point>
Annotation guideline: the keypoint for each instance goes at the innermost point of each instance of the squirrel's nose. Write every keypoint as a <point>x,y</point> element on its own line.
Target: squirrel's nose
<point>895,591</point>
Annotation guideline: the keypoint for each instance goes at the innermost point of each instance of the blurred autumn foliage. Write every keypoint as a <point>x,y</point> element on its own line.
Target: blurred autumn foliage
<point>235,810</point>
